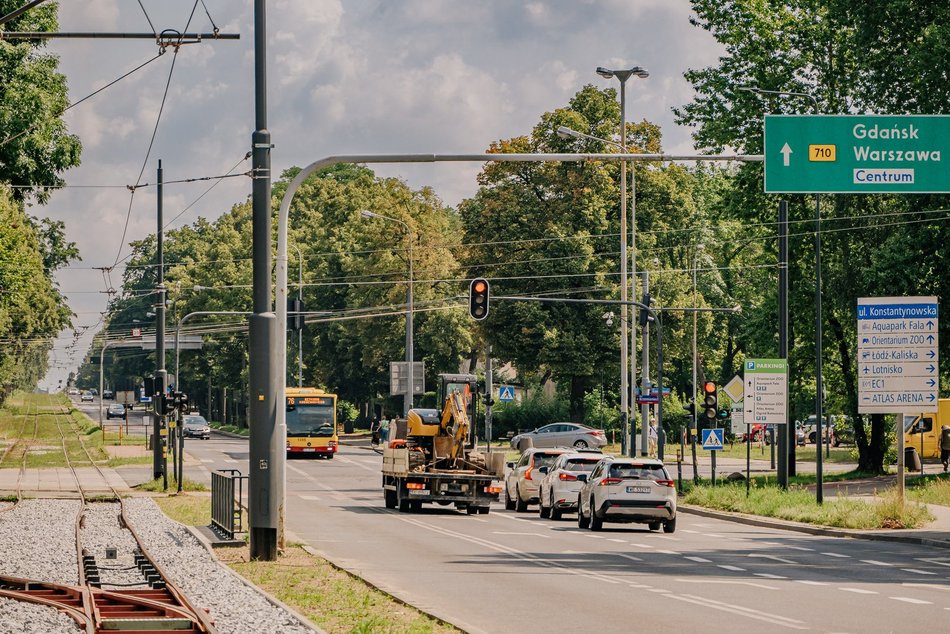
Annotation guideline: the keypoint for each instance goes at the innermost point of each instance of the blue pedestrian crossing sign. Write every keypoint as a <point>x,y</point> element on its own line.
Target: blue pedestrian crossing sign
<point>506,394</point>
<point>712,439</point>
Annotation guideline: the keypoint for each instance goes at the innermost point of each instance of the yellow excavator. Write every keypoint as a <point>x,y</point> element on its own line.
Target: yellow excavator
<point>430,459</point>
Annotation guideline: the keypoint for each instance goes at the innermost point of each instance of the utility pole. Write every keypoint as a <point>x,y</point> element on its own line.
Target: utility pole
<point>645,370</point>
<point>266,446</point>
<point>786,434</point>
<point>489,390</point>
<point>161,376</point>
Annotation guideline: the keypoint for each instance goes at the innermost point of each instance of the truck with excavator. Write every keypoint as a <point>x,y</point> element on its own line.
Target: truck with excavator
<point>431,455</point>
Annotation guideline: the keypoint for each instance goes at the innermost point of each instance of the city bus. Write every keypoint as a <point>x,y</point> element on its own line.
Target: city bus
<point>311,422</point>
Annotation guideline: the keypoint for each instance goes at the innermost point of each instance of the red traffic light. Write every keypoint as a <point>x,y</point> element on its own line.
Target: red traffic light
<point>709,387</point>
<point>478,293</point>
<point>479,286</point>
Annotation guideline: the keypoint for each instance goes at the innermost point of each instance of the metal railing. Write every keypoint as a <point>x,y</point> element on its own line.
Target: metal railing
<point>226,514</point>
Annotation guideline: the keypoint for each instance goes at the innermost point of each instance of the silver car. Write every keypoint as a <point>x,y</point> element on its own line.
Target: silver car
<point>563,435</point>
<point>524,477</point>
<point>559,488</point>
<point>628,490</point>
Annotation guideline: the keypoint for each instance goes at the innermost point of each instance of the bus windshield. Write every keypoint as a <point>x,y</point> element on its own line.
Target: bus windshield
<point>310,419</point>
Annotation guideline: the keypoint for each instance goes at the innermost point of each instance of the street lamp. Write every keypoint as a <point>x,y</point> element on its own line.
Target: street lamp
<point>693,422</point>
<point>407,403</point>
<point>819,493</point>
<point>627,364</point>
<point>299,331</point>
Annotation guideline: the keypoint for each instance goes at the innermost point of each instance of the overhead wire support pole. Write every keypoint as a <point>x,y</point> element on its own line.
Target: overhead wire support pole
<point>159,467</point>
<point>13,15</point>
<point>90,35</point>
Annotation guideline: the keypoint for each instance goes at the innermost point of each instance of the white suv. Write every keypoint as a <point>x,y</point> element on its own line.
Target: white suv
<point>559,488</point>
<point>524,477</point>
<point>628,490</point>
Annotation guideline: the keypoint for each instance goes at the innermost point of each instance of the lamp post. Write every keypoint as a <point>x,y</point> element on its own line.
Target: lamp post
<point>407,403</point>
<point>300,330</point>
<point>628,362</point>
<point>693,422</point>
<point>819,387</point>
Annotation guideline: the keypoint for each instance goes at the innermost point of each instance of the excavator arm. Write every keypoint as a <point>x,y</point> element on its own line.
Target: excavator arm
<point>455,423</point>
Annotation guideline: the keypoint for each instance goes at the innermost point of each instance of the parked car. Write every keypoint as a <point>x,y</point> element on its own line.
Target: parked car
<point>116,410</point>
<point>563,435</point>
<point>628,490</point>
<point>86,397</point>
<point>827,431</point>
<point>524,477</point>
<point>760,432</point>
<point>557,493</point>
<point>195,426</point>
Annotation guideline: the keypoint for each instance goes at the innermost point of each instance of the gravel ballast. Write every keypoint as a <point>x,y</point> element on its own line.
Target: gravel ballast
<point>37,541</point>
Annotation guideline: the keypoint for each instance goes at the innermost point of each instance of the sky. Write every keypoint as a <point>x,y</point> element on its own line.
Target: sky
<point>344,77</point>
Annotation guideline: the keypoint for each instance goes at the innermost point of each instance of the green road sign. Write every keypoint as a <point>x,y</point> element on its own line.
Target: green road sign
<point>856,154</point>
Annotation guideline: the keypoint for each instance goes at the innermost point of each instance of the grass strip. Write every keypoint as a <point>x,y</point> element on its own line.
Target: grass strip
<point>930,489</point>
<point>157,485</point>
<point>332,598</point>
<point>799,505</point>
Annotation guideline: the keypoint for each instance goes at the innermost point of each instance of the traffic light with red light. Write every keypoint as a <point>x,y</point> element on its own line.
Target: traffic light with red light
<point>478,298</point>
<point>710,401</point>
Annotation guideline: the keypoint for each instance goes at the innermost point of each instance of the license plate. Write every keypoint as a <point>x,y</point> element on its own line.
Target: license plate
<point>417,492</point>
<point>638,489</point>
<point>309,449</point>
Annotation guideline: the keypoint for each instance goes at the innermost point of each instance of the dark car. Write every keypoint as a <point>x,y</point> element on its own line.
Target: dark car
<point>196,426</point>
<point>116,410</point>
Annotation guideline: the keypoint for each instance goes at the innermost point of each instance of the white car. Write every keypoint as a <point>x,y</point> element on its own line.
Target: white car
<point>523,477</point>
<point>86,397</point>
<point>559,488</point>
<point>628,490</point>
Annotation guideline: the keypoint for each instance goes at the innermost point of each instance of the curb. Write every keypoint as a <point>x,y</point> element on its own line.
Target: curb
<point>752,520</point>
<point>228,434</point>
<point>441,618</point>
<point>304,621</point>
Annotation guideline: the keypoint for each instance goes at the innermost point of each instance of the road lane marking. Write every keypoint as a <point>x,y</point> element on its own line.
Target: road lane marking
<point>658,590</point>
<point>810,583</point>
<point>630,557</point>
<point>875,562</point>
<point>837,555</point>
<point>667,552</point>
<point>940,561</point>
<point>360,465</point>
<point>698,560</point>
<point>807,550</point>
<point>672,539</point>
<point>686,530</point>
<point>641,545</point>
<point>595,536</point>
<point>766,575</point>
<point>911,600</point>
<point>713,535</point>
<point>739,611</point>
<point>729,582</point>
<point>207,460</point>
<point>918,572</point>
<point>310,498</point>
<point>733,568</point>
<point>935,586</point>
<point>619,541</point>
<point>858,590</point>
<point>773,558</point>
<point>515,533</point>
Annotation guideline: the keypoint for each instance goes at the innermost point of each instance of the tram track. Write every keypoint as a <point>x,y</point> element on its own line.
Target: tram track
<point>19,441</point>
<point>133,594</point>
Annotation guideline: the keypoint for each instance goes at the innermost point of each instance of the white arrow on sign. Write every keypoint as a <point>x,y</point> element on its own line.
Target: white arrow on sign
<point>786,153</point>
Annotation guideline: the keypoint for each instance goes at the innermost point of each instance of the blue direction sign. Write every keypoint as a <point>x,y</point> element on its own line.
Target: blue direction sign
<point>712,439</point>
<point>898,362</point>
<point>856,154</point>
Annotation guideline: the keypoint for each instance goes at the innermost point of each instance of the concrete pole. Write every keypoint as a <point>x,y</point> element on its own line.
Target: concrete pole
<point>645,380</point>
<point>489,390</point>
<point>625,404</point>
<point>787,436</point>
<point>161,376</point>
<point>410,353</point>
<point>693,423</point>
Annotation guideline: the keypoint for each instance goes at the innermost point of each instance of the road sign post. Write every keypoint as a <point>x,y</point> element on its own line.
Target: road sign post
<point>898,360</point>
<point>765,401</point>
<point>856,154</point>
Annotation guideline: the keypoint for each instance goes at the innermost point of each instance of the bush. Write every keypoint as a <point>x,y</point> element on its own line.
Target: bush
<point>346,412</point>
<point>529,414</point>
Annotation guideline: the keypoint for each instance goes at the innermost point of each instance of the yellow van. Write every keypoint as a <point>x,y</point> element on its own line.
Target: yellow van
<point>923,430</point>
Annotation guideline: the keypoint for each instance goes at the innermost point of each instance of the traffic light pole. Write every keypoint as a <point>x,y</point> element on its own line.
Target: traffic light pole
<point>159,468</point>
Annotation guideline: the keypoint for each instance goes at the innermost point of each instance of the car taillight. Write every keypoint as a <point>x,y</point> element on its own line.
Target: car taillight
<point>415,485</point>
<point>567,476</point>
<point>666,483</point>
<point>527,473</point>
<point>493,489</point>
<point>596,432</point>
<point>609,481</point>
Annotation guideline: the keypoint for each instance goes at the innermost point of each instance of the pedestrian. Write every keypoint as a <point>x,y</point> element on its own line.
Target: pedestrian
<point>945,447</point>
<point>652,437</point>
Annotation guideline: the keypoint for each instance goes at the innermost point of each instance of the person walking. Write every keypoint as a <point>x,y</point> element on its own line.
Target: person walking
<point>945,447</point>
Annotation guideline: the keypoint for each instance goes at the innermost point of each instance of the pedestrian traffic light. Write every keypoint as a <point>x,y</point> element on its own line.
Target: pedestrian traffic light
<point>478,299</point>
<point>690,408</point>
<point>710,401</point>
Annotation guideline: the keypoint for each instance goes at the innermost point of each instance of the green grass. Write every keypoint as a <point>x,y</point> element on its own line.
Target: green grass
<point>157,485</point>
<point>333,599</point>
<point>931,489</point>
<point>186,509</point>
<point>799,505</point>
<point>234,429</point>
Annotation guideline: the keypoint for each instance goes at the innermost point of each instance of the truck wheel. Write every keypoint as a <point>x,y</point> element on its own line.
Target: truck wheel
<point>483,510</point>
<point>471,510</point>
<point>390,498</point>
<point>403,506</point>
<point>416,506</point>
<point>509,503</point>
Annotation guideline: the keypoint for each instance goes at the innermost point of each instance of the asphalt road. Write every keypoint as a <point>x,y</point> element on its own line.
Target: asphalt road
<point>515,572</point>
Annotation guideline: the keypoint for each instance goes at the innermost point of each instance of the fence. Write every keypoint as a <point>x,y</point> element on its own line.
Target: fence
<point>225,505</point>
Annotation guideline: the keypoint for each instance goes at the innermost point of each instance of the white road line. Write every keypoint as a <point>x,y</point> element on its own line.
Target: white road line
<point>773,558</point>
<point>672,539</point>
<point>206,460</point>
<point>729,582</point>
<point>713,535</point>
<point>659,590</point>
<point>641,545</point>
<point>766,575</point>
<point>808,550</point>
<point>739,611</point>
<point>360,465</point>
<point>935,586</point>
<point>858,590</point>
<point>733,568</point>
<point>837,555</point>
<point>911,600</point>
<point>299,471</point>
<point>667,552</point>
<point>686,530</point>
<point>593,536</point>
<point>874,562</point>
<point>630,557</point>
<point>940,561</point>
<point>310,498</point>
<point>810,583</point>
<point>619,541</point>
<point>698,560</point>
<point>918,572</point>
<point>514,533</point>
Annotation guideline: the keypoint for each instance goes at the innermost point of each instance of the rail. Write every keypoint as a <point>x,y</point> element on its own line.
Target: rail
<point>225,505</point>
